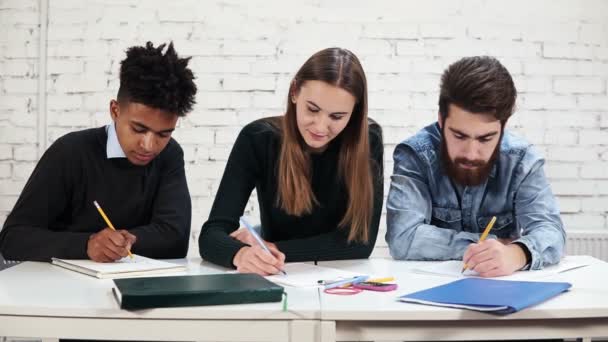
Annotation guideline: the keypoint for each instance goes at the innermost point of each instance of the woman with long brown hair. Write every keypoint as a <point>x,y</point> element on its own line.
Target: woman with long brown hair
<point>317,169</point>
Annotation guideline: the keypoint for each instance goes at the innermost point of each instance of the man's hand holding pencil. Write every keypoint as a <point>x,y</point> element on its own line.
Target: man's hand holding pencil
<point>109,245</point>
<point>493,258</point>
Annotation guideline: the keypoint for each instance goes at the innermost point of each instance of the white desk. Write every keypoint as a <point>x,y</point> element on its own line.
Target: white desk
<point>38,299</point>
<point>580,313</point>
<point>42,300</point>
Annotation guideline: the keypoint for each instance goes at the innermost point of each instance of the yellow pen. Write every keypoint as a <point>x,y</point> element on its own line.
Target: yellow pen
<point>484,235</point>
<point>381,280</point>
<point>105,218</point>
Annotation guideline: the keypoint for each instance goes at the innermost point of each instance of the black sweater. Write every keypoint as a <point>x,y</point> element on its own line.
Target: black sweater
<point>311,237</point>
<point>55,215</point>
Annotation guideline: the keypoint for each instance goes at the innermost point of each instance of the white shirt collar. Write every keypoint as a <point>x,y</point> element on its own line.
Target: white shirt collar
<point>113,149</point>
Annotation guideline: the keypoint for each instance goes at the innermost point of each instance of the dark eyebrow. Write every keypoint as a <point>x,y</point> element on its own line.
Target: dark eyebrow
<point>319,108</point>
<point>313,104</point>
<point>480,137</point>
<point>459,132</point>
<point>140,125</point>
<point>487,135</point>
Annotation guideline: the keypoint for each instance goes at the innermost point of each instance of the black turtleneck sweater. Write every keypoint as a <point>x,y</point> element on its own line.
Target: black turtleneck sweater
<point>311,237</point>
<point>55,215</point>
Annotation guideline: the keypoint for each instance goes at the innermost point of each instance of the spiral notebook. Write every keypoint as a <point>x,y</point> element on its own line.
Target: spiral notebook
<point>123,268</point>
<point>4,264</point>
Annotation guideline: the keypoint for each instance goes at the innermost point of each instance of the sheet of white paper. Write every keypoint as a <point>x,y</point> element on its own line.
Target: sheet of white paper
<point>453,268</point>
<point>307,275</point>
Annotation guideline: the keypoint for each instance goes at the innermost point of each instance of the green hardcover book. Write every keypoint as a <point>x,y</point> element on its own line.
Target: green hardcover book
<point>194,290</point>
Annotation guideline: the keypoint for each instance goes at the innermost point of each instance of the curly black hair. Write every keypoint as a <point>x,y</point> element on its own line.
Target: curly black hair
<point>157,80</point>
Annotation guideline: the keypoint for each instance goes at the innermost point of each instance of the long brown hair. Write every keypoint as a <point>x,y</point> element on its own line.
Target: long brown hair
<point>340,68</point>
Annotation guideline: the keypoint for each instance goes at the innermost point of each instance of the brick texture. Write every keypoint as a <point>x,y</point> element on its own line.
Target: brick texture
<point>245,52</point>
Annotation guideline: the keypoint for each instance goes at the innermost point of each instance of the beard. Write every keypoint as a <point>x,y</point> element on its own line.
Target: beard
<point>467,176</point>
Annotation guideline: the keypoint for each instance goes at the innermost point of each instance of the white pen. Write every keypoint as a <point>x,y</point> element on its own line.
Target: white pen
<point>349,281</point>
<point>257,237</point>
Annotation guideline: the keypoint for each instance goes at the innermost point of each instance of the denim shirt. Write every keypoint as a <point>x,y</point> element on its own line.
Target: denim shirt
<point>429,218</point>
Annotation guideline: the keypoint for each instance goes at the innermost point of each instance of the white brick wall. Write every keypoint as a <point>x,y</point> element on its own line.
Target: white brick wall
<point>244,53</point>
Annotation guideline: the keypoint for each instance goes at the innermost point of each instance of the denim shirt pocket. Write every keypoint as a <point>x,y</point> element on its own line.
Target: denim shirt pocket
<point>503,227</point>
<point>447,218</point>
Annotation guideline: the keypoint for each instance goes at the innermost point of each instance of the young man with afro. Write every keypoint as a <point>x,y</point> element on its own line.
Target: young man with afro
<point>131,167</point>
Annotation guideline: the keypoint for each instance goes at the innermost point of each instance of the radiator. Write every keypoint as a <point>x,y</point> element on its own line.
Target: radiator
<point>592,243</point>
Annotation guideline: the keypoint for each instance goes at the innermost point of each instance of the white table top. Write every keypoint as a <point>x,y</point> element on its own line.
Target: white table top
<point>42,289</point>
<point>587,298</point>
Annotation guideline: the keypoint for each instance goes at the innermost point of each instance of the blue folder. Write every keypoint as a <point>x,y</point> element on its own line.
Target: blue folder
<point>489,295</point>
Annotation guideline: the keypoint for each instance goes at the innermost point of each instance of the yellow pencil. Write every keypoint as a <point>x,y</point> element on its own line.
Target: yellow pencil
<point>483,236</point>
<point>381,280</point>
<point>105,218</point>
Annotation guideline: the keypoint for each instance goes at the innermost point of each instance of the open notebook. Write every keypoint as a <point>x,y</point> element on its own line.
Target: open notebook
<point>307,275</point>
<point>453,268</point>
<point>123,268</point>
<point>489,295</point>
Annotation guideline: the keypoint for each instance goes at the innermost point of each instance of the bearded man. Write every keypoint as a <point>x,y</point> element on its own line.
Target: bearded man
<point>453,176</point>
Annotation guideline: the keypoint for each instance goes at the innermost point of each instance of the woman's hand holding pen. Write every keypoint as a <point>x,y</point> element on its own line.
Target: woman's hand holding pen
<point>110,245</point>
<point>492,258</point>
<point>254,259</point>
